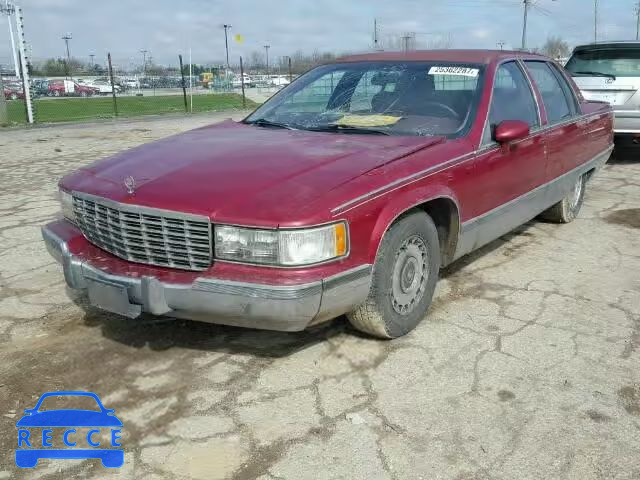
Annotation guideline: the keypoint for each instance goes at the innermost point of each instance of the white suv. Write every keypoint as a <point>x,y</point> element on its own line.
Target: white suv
<point>610,72</point>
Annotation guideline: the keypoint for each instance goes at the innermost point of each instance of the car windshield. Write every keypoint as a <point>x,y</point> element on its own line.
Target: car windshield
<point>620,62</point>
<point>394,98</point>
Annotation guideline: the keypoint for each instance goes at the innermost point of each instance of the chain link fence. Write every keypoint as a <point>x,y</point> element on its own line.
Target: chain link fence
<point>120,87</point>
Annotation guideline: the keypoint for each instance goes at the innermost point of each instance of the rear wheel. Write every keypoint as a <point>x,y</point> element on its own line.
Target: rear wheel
<point>403,279</point>
<point>567,209</point>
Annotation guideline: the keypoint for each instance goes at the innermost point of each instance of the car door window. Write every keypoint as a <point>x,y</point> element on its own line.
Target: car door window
<point>512,99</point>
<point>566,88</point>
<point>554,97</point>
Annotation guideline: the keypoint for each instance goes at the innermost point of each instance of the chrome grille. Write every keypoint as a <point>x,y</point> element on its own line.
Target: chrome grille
<point>145,235</point>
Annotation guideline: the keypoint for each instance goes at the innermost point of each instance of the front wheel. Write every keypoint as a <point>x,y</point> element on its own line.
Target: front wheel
<point>403,279</point>
<point>567,209</point>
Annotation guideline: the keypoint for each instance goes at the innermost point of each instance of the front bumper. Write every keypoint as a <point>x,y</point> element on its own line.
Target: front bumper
<point>272,307</point>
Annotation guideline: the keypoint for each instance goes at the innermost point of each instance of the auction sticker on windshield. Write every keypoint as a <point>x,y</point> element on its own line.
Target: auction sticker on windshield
<point>450,70</point>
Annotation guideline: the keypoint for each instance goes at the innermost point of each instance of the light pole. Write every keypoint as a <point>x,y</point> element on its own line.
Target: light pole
<point>266,50</point>
<point>8,9</point>
<point>501,45</point>
<point>144,62</point>
<point>92,62</point>
<point>226,27</point>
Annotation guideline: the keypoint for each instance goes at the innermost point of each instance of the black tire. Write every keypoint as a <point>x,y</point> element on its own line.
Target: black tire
<point>398,300</point>
<point>567,209</point>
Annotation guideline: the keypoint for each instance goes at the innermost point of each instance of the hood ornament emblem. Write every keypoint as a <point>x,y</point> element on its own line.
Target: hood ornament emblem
<point>130,184</point>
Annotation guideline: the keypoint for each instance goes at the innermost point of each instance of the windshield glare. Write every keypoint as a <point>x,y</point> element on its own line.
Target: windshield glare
<point>401,98</point>
<point>620,62</point>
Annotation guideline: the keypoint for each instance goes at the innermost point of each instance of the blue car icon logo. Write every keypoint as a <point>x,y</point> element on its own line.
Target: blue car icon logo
<point>32,447</point>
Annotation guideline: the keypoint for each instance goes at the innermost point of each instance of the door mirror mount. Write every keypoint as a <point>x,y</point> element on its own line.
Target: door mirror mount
<point>511,130</point>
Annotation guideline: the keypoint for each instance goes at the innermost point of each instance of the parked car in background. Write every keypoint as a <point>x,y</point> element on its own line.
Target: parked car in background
<point>40,87</point>
<point>103,86</point>
<point>610,72</point>
<point>69,88</point>
<point>13,93</point>
<point>278,81</point>
<point>85,90</point>
<point>343,194</point>
<point>130,83</point>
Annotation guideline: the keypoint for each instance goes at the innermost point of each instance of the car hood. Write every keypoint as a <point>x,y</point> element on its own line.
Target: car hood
<point>69,418</point>
<point>241,173</point>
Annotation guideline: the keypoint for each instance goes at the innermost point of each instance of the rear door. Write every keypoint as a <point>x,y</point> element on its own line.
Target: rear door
<point>611,73</point>
<point>563,135</point>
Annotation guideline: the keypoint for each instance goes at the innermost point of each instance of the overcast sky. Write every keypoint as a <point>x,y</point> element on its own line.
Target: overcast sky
<point>168,27</point>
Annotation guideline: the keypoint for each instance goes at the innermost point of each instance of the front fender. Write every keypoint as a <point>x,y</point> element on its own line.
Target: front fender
<point>403,201</point>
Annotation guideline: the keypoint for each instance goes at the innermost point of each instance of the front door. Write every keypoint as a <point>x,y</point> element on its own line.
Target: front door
<point>505,174</point>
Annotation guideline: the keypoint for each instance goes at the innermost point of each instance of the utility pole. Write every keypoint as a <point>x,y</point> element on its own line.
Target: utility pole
<point>266,50</point>
<point>8,9</point>
<point>405,41</point>
<point>524,24</point>
<point>226,27</point>
<point>66,39</point>
<point>595,21</point>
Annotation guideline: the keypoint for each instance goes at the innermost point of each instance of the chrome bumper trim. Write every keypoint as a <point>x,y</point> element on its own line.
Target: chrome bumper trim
<point>272,307</point>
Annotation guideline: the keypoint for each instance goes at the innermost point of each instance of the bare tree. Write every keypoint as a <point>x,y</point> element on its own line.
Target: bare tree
<point>556,48</point>
<point>256,60</point>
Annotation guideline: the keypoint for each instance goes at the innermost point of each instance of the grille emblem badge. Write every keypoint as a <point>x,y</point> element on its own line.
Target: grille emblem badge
<point>130,184</point>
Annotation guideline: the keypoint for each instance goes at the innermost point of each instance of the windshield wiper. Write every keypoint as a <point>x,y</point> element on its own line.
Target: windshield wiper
<point>347,129</point>
<point>262,122</point>
<point>597,74</point>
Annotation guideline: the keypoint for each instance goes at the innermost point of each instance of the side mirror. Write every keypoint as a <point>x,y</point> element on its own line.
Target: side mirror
<point>510,130</point>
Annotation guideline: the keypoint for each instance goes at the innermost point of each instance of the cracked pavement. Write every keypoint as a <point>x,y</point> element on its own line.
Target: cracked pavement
<point>528,365</point>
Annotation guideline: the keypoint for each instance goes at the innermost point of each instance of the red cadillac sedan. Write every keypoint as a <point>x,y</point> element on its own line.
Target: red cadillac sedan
<point>345,193</point>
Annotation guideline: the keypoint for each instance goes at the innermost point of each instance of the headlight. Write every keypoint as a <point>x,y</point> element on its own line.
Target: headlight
<point>66,204</point>
<point>281,247</point>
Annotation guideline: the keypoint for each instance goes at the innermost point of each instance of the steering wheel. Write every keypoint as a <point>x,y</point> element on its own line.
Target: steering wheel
<point>444,107</point>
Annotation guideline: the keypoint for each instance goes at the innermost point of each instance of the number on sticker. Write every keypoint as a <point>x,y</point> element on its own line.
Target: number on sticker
<point>459,71</point>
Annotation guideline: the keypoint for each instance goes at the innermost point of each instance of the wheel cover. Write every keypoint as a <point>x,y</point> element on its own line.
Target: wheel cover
<point>410,275</point>
<point>576,193</point>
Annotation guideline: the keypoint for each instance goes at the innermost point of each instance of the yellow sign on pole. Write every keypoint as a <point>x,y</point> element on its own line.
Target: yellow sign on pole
<point>238,38</point>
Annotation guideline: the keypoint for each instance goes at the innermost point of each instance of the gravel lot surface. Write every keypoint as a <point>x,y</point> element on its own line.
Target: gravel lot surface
<point>528,366</point>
